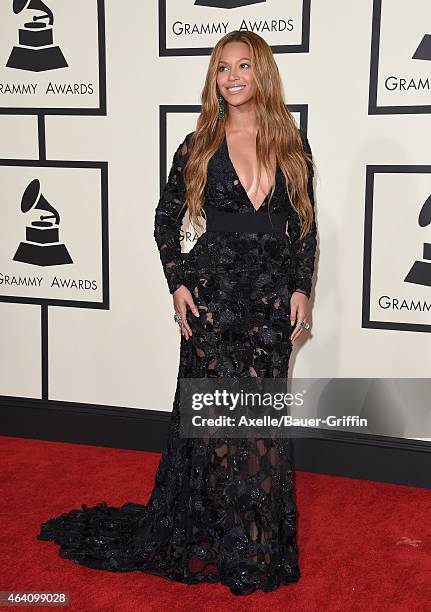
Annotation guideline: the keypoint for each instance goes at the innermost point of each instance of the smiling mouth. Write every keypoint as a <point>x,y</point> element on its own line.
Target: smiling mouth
<point>235,88</point>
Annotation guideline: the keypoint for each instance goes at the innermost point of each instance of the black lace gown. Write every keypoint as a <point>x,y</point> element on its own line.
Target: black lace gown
<point>221,510</point>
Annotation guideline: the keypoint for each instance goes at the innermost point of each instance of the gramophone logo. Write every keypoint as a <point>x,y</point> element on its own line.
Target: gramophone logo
<point>227,4</point>
<point>420,272</point>
<point>400,59</point>
<point>36,50</point>
<point>41,246</point>
<point>397,251</point>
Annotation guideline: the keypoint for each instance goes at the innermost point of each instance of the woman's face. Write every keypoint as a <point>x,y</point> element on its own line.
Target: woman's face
<point>235,78</point>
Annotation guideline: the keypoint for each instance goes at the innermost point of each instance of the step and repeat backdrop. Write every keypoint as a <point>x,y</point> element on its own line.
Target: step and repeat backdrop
<point>95,97</point>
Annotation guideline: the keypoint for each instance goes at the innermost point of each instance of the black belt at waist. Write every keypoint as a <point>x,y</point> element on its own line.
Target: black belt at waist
<point>256,222</point>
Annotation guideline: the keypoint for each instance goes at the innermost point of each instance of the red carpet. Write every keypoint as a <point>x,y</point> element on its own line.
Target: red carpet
<point>363,546</point>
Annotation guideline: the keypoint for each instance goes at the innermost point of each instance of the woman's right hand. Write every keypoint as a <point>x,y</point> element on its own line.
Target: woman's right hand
<point>183,298</point>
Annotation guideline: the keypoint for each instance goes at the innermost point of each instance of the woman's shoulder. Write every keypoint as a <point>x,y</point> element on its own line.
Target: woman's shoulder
<point>184,146</point>
<point>188,138</point>
<point>185,143</point>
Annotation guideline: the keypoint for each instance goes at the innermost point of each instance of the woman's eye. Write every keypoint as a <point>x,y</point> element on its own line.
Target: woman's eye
<point>220,68</point>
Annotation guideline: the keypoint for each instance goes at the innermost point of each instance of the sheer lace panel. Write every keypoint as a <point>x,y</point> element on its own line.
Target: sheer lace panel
<point>243,331</point>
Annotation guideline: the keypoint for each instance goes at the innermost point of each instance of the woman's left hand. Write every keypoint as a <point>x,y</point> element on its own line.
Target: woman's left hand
<point>298,312</point>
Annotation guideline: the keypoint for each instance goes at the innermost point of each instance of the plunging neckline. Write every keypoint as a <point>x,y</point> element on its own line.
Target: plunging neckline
<point>238,179</point>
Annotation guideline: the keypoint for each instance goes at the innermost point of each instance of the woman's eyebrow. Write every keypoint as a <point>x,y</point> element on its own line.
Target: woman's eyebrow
<point>242,58</point>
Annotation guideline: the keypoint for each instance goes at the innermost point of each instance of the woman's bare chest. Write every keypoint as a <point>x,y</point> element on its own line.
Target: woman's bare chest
<point>241,150</point>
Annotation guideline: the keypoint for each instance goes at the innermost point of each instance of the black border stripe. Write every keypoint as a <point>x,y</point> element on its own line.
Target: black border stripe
<point>336,453</point>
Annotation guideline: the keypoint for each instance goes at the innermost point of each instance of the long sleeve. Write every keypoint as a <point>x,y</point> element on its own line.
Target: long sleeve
<point>168,220</point>
<point>304,250</point>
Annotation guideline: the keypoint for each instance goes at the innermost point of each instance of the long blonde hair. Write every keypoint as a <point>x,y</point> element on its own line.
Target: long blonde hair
<point>276,126</point>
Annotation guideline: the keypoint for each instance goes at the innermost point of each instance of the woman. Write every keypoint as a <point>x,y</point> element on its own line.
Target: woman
<point>223,510</point>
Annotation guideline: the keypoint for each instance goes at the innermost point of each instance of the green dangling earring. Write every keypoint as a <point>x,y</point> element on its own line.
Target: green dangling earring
<point>220,106</point>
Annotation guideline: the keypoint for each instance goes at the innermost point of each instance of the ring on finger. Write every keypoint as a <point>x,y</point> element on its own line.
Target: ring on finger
<point>178,319</point>
<point>303,324</point>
